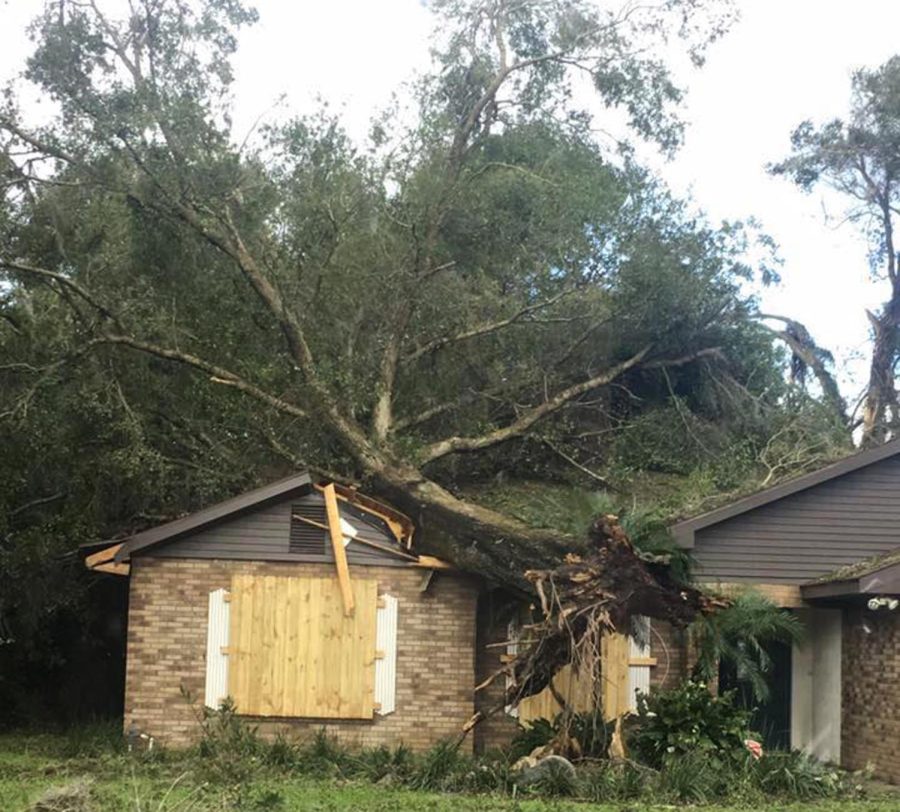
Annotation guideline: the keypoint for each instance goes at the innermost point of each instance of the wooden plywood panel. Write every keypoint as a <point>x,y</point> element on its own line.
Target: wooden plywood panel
<point>616,654</point>
<point>295,653</point>
<point>577,687</point>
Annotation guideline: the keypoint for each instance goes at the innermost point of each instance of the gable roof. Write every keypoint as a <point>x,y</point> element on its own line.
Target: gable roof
<point>684,531</point>
<point>214,513</point>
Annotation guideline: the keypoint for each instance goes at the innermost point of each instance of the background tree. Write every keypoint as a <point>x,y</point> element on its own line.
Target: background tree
<point>860,158</point>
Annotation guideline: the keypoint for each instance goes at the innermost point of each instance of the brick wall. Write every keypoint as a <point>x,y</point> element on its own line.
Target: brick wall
<point>870,712</point>
<point>494,612</point>
<point>167,650</point>
<point>673,660</point>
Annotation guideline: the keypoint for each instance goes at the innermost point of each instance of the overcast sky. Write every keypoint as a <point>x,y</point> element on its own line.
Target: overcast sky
<point>785,61</point>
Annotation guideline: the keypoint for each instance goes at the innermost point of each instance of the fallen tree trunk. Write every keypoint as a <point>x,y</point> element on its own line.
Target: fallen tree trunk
<point>471,536</point>
<point>591,594</point>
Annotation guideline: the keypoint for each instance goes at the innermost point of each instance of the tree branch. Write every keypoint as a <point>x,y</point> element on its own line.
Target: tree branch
<point>63,280</point>
<point>525,421</point>
<point>482,329</point>
<point>217,374</point>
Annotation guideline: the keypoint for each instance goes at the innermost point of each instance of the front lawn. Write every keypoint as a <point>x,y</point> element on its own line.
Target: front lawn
<point>93,775</point>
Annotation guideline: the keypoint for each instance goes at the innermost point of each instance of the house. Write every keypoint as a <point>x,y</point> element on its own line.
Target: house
<point>826,546</point>
<point>308,604</point>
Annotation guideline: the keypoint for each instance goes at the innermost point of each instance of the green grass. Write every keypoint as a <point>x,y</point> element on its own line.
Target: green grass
<point>174,782</point>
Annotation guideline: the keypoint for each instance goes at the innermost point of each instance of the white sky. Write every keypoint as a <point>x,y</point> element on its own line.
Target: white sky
<point>785,61</point>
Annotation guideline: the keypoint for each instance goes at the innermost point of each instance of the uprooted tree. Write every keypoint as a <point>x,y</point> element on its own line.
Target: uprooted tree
<point>592,593</point>
<point>406,315</point>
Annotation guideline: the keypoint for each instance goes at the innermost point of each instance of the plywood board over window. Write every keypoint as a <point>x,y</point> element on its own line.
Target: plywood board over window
<point>294,652</point>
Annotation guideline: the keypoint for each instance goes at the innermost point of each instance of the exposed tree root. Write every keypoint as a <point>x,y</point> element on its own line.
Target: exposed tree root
<point>591,594</point>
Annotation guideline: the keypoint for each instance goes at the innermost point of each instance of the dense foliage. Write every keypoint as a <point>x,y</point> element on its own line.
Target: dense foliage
<point>737,637</point>
<point>690,721</point>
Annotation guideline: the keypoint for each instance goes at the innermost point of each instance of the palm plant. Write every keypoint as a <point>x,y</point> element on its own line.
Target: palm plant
<point>738,634</point>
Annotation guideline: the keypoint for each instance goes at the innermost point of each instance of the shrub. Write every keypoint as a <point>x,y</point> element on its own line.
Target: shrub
<point>589,730</point>
<point>693,778</point>
<point>530,735</point>
<point>325,756</point>
<point>282,753</point>
<point>688,720</point>
<point>608,781</point>
<point>381,764</point>
<point>797,776</point>
<point>230,749</point>
<point>94,739</point>
<point>435,767</point>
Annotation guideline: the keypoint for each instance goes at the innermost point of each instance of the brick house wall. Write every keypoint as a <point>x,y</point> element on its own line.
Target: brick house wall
<point>167,624</point>
<point>674,660</point>
<point>870,712</point>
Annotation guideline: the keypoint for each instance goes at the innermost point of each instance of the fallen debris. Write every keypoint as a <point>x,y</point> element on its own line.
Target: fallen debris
<point>589,595</point>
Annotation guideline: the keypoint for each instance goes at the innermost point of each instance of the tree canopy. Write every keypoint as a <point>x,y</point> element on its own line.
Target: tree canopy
<point>484,293</point>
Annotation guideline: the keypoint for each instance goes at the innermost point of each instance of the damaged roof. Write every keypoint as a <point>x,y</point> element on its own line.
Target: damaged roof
<point>878,575</point>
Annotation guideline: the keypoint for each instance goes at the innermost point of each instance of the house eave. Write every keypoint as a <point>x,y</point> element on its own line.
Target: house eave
<point>213,514</point>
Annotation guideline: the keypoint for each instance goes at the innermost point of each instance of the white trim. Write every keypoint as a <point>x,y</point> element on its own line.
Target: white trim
<point>218,617</point>
<point>639,675</point>
<point>386,665</point>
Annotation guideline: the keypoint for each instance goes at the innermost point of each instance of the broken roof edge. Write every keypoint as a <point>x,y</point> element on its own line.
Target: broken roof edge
<point>214,513</point>
<point>872,576</point>
<point>683,531</point>
<point>119,551</point>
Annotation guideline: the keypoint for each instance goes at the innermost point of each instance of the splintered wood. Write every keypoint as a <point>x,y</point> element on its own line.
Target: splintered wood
<point>294,652</point>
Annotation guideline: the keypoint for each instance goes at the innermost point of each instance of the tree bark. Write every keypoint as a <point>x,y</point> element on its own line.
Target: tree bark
<point>881,395</point>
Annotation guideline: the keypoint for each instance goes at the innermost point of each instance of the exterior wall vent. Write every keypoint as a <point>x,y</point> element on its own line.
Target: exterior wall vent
<point>308,537</point>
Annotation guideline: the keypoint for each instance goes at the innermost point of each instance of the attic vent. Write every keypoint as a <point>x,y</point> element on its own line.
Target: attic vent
<point>307,538</point>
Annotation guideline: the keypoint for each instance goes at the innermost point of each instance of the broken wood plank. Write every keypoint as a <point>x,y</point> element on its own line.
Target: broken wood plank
<point>651,661</point>
<point>337,546</point>
<point>102,556</point>
<point>426,581</point>
<point>432,563</point>
<point>112,568</point>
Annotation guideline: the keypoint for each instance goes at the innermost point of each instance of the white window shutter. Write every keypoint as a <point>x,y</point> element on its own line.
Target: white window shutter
<point>386,665</point>
<point>639,675</point>
<point>216,640</point>
<point>512,649</point>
